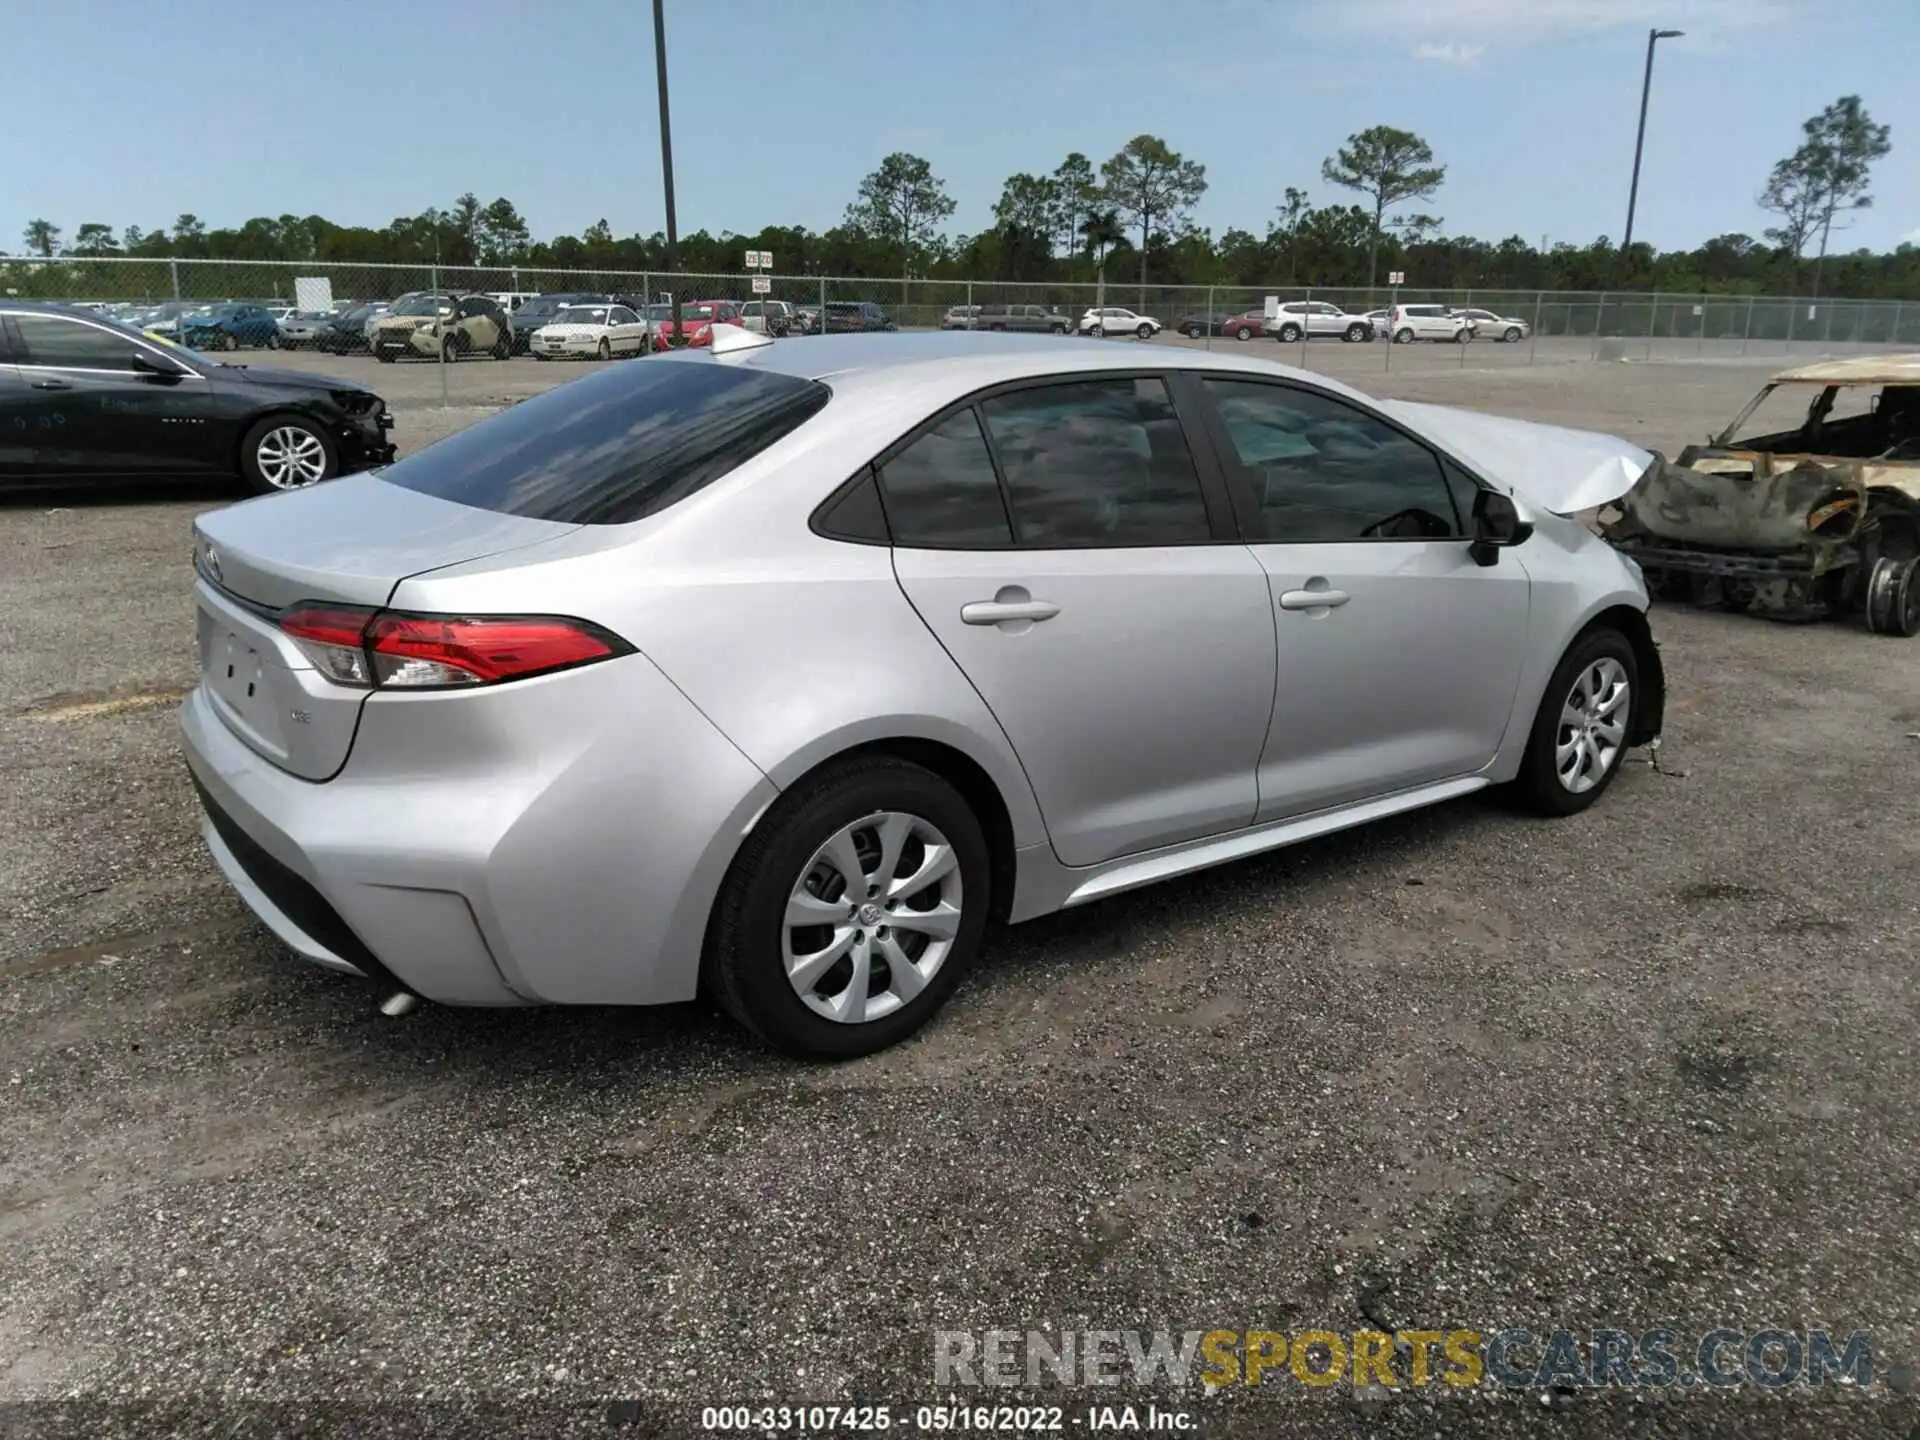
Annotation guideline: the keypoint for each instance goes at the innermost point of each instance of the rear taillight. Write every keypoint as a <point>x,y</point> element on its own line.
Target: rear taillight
<point>353,645</point>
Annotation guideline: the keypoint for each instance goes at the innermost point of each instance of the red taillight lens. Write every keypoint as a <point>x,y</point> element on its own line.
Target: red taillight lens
<point>331,637</point>
<point>434,650</point>
<point>352,645</point>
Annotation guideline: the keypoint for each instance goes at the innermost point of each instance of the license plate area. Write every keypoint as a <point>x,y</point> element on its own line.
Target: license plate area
<point>247,680</point>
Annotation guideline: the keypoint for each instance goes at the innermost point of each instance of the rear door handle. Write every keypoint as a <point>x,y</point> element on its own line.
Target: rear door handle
<point>52,385</point>
<point>1312,599</point>
<point>998,612</point>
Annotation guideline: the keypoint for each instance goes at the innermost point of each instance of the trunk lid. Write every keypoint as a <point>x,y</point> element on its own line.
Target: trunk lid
<point>347,542</point>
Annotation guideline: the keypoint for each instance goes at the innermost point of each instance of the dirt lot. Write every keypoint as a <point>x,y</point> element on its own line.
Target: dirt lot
<point>1651,1066</point>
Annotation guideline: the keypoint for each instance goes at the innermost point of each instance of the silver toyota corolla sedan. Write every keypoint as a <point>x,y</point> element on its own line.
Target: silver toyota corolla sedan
<point>779,671</point>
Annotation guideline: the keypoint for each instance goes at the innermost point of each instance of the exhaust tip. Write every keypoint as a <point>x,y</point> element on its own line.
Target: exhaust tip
<point>401,1002</point>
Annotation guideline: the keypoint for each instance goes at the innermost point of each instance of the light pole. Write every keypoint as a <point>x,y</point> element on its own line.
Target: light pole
<point>666,160</point>
<point>1640,139</point>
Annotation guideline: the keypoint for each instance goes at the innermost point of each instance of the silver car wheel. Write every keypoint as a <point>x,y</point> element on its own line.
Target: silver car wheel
<point>291,458</point>
<point>872,917</point>
<point>1593,725</point>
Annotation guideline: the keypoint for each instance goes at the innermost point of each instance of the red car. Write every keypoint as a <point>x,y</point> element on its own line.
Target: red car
<point>697,318</point>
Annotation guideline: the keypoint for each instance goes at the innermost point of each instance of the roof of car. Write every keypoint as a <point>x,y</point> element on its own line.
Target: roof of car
<point>1857,370</point>
<point>984,357</point>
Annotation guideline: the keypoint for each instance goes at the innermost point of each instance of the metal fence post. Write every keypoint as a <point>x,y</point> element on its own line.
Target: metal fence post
<point>1533,335</point>
<point>969,304</point>
<point>1209,323</point>
<point>1653,318</point>
<point>1306,320</point>
<point>1826,335</point>
<point>1701,347</point>
<point>1893,336</point>
<point>174,266</point>
<point>1599,324</point>
<point>1746,333</point>
<point>823,304</point>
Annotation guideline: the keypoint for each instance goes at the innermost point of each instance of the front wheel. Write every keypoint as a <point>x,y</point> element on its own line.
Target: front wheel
<point>1057,330</point>
<point>1356,333</point>
<point>605,351</point>
<point>450,350</point>
<point>1098,332</point>
<point>1580,732</point>
<point>852,911</point>
<point>1245,332</point>
<point>287,452</point>
<point>1144,331</point>
<point>1289,334</point>
<point>1513,336</point>
<point>503,348</point>
<point>229,341</point>
<point>273,342</point>
<point>1194,332</point>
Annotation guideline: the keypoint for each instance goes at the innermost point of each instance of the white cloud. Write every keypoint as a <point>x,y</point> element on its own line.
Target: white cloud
<point>1912,237</point>
<point>1451,53</point>
<point>1524,22</point>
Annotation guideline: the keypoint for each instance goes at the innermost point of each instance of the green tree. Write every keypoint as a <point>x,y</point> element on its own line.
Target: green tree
<point>504,236</point>
<point>1287,228</point>
<point>901,205</point>
<point>467,228</point>
<point>93,238</point>
<point>42,237</point>
<point>1826,177</point>
<point>1151,185</point>
<point>1024,217</point>
<point>1389,166</point>
<point>1076,196</point>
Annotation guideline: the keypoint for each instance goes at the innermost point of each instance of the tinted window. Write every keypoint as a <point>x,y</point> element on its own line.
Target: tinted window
<point>1321,470</point>
<point>941,490</point>
<point>616,446</point>
<point>624,316</point>
<point>54,340</point>
<point>1097,462</point>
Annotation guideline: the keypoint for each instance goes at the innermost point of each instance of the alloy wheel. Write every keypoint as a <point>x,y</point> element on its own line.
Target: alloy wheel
<point>872,917</point>
<point>291,458</point>
<point>1593,725</point>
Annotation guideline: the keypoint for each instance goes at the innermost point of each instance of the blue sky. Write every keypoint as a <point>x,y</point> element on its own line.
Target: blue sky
<point>361,110</point>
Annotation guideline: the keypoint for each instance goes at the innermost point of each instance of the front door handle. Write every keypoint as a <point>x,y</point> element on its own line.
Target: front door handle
<point>1312,599</point>
<point>998,612</point>
<point>52,385</point>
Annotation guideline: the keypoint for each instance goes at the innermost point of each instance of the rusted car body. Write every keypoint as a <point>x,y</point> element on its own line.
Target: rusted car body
<point>1822,519</point>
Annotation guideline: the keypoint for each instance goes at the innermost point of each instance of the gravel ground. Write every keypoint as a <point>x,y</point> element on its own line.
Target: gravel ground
<point>1654,1065</point>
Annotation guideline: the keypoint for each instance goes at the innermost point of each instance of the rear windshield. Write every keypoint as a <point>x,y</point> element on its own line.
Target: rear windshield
<point>616,446</point>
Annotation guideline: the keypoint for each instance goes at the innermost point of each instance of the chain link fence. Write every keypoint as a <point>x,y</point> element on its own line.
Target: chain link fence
<point>339,307</point>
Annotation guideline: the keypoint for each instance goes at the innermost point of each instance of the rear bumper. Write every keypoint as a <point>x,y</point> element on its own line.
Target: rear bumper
<point>493,848</point>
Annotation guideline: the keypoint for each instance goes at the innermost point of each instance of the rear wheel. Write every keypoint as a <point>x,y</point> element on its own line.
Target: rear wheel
<point>450,349</point>
<point>1893,596</point>
<point>229,341</point>
<point>273,340</point>
<point>852,911</point>
<point>1580,732</point>
<point>1245,332</point>
<point>503,346</point>
<point>287,452</point>
<point>1289,334</point>
<point>1465,335</point>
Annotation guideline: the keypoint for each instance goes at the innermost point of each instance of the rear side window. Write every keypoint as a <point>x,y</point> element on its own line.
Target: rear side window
<point>942,491</point>
<point>614,447</point>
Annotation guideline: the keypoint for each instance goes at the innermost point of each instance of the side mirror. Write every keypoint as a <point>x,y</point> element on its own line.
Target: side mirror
<point>145,364</point>
<point>1496,525</point>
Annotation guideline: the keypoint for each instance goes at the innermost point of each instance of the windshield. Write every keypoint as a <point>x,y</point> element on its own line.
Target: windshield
<point>583,315</point>
<point>424,305</point>
<point>1810,419</point>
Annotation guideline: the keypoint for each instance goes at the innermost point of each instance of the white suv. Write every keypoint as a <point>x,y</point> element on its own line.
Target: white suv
<point>1408,323</point>
<point>1318,318</point>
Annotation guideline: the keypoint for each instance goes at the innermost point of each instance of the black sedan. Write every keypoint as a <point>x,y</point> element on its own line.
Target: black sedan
<point>83,398</point>
<point>346,333</point>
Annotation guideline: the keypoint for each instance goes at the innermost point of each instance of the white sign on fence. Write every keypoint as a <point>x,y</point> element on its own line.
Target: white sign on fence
<point>313,296</point>
<point>1810,311</point>
<point>759,259</point>
<point>1699,310</point>
<point>1396,277</point>
<point>762,285</point>
<point>766,259</point>
<point>1273,307</point>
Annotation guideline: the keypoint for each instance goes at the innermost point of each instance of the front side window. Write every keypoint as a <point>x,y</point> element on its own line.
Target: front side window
<point>72,344</point>
<point>1097,462</point>
<point>1321,470</point>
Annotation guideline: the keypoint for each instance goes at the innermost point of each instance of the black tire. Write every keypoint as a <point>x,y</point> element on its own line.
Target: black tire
<point>1538,787</point>
<point>1288,334</point>
<point>1057,330</point>
<point>1245,332</point>
<point>273,342</point>
<point>1144,330</point>
<point>1893,597</point>
<point>1098,332</point>
<point>538,356</point>
<point>1194,332</point>
<point>1403,336</point>
<point>1356,333</point>
<point>605,350</point>
<point>450,350</point>
<point>502,348</point>
<point>229,341</point>
<point>1464,337</point>
<point>250,450</point>
<point>384,357</point>
<point>1512,337</point>
<point>996,327</point>
<point>744,967</point>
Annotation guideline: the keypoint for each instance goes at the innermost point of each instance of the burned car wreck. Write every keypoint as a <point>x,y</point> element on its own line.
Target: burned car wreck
<point>1820,519</point>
